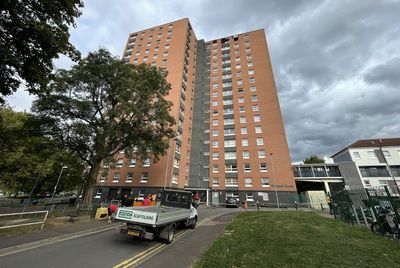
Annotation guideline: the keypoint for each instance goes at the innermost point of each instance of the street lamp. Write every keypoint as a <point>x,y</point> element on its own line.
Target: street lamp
<point>58,180</point>
<point>387,166</point>
<point>273,175</point>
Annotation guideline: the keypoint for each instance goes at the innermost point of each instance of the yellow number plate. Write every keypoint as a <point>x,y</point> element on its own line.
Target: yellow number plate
<point>133,233</point>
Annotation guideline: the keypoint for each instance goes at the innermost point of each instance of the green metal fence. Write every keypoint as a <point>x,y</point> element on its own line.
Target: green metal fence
<point>360,205</point>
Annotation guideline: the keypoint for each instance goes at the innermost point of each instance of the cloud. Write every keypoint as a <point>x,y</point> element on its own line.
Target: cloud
<point>335,62</point>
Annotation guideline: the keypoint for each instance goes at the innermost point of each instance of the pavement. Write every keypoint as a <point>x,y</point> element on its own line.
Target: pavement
<point>82,227</point>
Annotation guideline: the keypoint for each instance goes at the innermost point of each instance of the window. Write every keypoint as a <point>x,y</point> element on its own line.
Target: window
<point>253,89</point>
<point>215,132</point>
<point>227,102</point>
<point>231,182</point>
<point>132,163</point>
<point>215,122</point>
<point>239,82</point>
<point>215,156</point>
<point>215,144</point>
<point>252,80</point>
<point>230,155</point>
<point>129,177</point>
<point>146,162</point>
<point>356,155</point>
<point>254,98</point>
<point>254,108</point>
<point>265,182</point>
<point>238,66</point>
<point>215,168</point>
<point>176,162</point>
<point>258,129</point>
<point>178,148</point>
<point>229,132</point>
<point>237,59</point>
<point>386,154</point>
<point>215,112</point>
<point>228,111</point>
<point>166,47</point>
<point>229,121</point>
<point>251,71</point>
<point>231,168</point>
<point>250,64</point>
<point>215,181</point>
<point>230,143</point>
<point>260,141</point>
<point>371,154</point>
<point>120,162</point>
<point>116,177</point>
<point>215,103</point>
<point>367,183</point>
<point>261,154</point>
<point>257,118</point>
<point>248,182</point>
<point>263,167</point>
<point>144,178</point>
<point>245,142</point>
<point>98,193</point>
<point>215,94</point>
<point>249,197</point>
<point>242,120</point>
<point>174,178</point>
<point>246,167</point>
<point>243,130</point>
<point>241,109</point>
<point>206,141</point>
<point>246,155</point>
<point>215,86</point>
<point>241,99</point>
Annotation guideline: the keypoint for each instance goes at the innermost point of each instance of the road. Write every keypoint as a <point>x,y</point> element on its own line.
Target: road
<point>108,249</point>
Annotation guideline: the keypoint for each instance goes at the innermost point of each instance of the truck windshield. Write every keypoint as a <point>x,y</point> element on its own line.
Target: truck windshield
<point>176,199</point>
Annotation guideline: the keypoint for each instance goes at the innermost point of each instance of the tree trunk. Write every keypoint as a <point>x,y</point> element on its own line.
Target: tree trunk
<point>90,182</point>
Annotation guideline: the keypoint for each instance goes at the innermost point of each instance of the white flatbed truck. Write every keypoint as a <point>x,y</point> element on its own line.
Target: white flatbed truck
<point>161,221</point>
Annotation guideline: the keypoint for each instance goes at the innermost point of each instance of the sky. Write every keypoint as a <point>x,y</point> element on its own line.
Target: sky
<point>336,63</point>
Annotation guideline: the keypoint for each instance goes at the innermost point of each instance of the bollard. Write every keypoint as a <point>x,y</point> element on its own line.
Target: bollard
<point>322,207</point>
<point>296,205</point>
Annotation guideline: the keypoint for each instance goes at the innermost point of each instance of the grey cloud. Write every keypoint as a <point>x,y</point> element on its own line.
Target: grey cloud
<point>387,73</point>
<point>335,62</point>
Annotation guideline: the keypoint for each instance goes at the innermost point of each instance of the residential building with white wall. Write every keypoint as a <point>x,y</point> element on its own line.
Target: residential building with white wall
<point>370,163</point>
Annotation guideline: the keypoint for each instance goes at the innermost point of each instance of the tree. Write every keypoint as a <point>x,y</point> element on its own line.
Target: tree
<point>29,160</point>
<point>32,34</point>
<point>313,159</point>
<point>103,106</point>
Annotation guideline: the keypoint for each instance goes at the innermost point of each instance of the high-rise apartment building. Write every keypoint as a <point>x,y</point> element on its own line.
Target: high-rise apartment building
<point>230,135</point>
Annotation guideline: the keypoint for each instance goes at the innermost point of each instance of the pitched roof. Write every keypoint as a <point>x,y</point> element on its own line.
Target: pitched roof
<point>375,143</point>
<point>371,143</point>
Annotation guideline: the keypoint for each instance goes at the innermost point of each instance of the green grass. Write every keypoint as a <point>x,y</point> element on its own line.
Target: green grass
<point>297,239</point>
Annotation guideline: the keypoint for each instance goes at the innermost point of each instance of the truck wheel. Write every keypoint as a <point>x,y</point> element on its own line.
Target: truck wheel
<point>171,234</point>
<point>193,225</point>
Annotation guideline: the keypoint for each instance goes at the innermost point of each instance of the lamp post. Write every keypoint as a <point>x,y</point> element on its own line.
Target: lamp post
<point>58,180</point>
<point>387,166</point>
<point>273,175</point>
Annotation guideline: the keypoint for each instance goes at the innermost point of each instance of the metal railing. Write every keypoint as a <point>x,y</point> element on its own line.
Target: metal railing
<point>17,219</point>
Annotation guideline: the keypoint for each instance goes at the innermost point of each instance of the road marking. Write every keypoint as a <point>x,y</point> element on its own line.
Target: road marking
<point>51,240</point>
<point>157,248</point>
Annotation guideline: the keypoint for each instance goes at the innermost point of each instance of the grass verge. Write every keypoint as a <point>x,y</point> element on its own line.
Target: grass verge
<point>297,239</point>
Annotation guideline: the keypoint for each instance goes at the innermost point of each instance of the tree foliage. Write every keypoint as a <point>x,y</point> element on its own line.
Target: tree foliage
<point>313,159</point>
<point>32,34</point>
<point>28,158</point>
<point>103,106</point>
